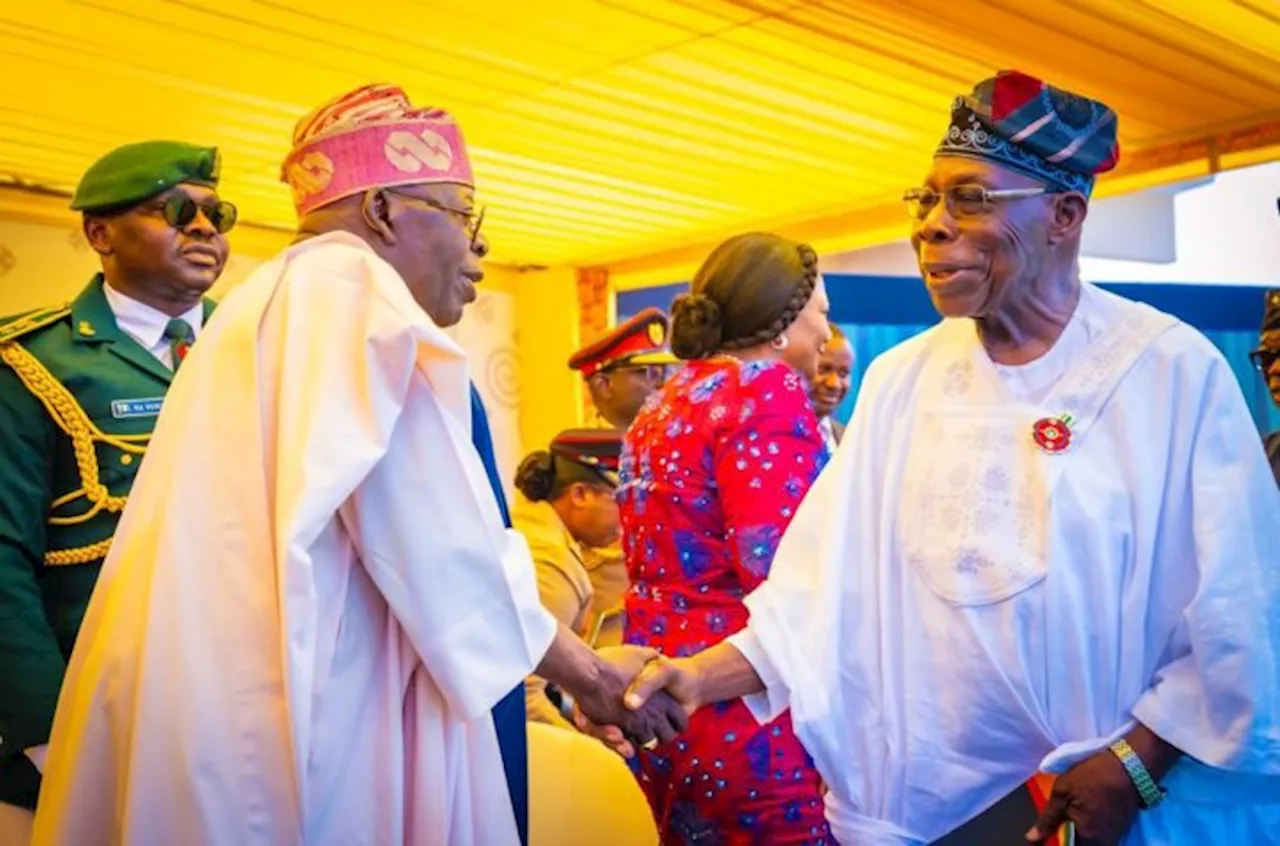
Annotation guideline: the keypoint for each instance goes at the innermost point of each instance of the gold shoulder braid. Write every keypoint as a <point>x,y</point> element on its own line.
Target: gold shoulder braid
<point>71,418</point>
<point>32,321</point>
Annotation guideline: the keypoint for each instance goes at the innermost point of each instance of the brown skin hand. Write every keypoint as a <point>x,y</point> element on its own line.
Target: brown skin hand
<point>598,681</point>
<point>1097,794</point>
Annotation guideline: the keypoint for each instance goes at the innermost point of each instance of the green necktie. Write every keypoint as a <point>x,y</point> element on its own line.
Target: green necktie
<point>180,335</point>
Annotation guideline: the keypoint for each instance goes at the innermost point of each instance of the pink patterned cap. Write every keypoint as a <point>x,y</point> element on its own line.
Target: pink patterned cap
<point>369,138</point>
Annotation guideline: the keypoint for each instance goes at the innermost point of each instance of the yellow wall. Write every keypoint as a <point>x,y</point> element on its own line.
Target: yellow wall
<point>546,335</point>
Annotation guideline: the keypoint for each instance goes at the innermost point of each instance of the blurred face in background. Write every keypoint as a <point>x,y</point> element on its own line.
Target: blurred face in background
<point>619,392</point>
<point>590,513</point>
<point>1267,359</point>
<point>834,377</point>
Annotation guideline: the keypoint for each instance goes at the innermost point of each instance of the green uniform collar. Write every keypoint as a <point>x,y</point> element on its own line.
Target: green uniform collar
<point>93,322</point>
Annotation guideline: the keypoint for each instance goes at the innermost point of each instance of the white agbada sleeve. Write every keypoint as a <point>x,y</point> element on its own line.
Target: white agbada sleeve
<point>797,630</point>
<point>471,622</point>
<point>1216,695</point>
<point>372,383</point>
<point>829,629</point>
<point>310,594</point>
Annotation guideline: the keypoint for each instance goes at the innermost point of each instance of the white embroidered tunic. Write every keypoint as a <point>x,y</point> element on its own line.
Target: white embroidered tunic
<point>954,608</point>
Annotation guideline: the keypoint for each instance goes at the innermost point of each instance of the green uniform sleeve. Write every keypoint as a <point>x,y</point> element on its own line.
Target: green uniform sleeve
<point>31,664</point>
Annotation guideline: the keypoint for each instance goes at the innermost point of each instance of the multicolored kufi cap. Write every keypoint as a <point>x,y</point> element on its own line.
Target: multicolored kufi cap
<point>1049,134</point>
<point>372,137</point>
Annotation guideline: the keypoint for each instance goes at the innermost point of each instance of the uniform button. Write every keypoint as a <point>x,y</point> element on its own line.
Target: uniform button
<point>126,459</point>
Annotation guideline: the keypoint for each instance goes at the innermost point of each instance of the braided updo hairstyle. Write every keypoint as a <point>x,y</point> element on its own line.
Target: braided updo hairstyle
<point>747,292</point>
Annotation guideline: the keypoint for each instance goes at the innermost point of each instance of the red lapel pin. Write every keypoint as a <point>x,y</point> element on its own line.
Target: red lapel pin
<point>1053,434</point>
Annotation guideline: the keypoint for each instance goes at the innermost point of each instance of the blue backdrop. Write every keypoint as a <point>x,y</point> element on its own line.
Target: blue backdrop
<point>877,312</point>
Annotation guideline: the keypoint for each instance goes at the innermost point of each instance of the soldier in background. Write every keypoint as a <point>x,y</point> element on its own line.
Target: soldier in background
<point>621,369</point>
<point>624,366</point>
<point>567,509</point>
<point>81,385</point>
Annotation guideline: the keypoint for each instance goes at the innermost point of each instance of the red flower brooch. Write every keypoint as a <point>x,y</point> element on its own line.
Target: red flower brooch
<point>1053,434</point>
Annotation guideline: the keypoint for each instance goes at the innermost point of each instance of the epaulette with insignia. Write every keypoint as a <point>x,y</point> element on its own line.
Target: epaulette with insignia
<point>21,324</point>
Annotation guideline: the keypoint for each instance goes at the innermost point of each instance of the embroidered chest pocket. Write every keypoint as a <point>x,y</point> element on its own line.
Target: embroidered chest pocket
<point>975,511</point>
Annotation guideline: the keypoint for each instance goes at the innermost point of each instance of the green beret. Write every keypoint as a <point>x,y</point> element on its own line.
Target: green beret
<point>135,172</point>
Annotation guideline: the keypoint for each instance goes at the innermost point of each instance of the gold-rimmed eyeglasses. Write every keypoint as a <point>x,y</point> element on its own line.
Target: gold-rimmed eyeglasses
<point>472,219</point>
<point>963,200</point>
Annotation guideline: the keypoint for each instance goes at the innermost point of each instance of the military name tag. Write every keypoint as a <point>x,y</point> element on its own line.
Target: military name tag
<point>125,409</point>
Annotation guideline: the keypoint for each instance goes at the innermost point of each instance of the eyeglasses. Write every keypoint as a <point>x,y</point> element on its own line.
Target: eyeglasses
<point>963,200</point>
<point>471,219</point>
<point>179,210</point>
<point>1264,359</point>
<point>652,373</point>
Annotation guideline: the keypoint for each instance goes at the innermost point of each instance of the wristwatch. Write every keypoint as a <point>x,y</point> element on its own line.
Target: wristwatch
<point>1149,793</point>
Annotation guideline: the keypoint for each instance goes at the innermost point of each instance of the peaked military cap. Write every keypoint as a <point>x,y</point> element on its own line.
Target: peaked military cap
<point>599,449</point>
<point>135,172</point>
<point>640,340</point>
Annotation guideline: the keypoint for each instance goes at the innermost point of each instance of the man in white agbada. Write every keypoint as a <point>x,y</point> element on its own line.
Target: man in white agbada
<point>1049,528</point>
<point>312,603</point>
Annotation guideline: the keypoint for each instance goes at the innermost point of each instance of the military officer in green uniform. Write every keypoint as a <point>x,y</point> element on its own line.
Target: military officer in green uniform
<point>80,388</point>
<point>622,369</point>
<point>567,508</point>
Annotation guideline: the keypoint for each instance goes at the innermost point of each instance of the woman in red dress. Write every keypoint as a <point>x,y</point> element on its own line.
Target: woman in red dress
<point>712,472</point>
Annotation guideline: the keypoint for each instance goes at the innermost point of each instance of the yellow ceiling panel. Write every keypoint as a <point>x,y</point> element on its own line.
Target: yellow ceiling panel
<point>633,132</point>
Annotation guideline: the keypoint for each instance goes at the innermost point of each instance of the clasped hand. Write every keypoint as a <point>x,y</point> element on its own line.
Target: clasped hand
<point>602,712</point>
<point>646,698</point>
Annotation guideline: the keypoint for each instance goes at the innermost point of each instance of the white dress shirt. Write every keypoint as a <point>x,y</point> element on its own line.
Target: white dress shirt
<point>828,433</point>
<point>146,325</point>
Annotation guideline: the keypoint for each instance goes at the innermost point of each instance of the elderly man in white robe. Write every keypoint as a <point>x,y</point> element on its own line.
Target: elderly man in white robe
<point>1048,539</point>
<point>312,603</point>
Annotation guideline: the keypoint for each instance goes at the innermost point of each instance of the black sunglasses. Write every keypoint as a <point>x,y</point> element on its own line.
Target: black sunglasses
<point>179,210</point>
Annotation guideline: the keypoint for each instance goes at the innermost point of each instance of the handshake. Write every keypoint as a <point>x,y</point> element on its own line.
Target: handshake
<point>641,699</point>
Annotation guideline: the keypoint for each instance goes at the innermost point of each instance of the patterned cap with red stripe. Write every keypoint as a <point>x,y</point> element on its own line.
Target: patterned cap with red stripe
<point>368,138</point>
<point>1017,121</point>
<point>640,340</point>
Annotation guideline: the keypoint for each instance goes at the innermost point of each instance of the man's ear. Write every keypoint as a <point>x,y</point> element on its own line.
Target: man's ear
<point>1069,213</point>
<point>600,386</point>
<point>97,231</point>
<point>376,211</point>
